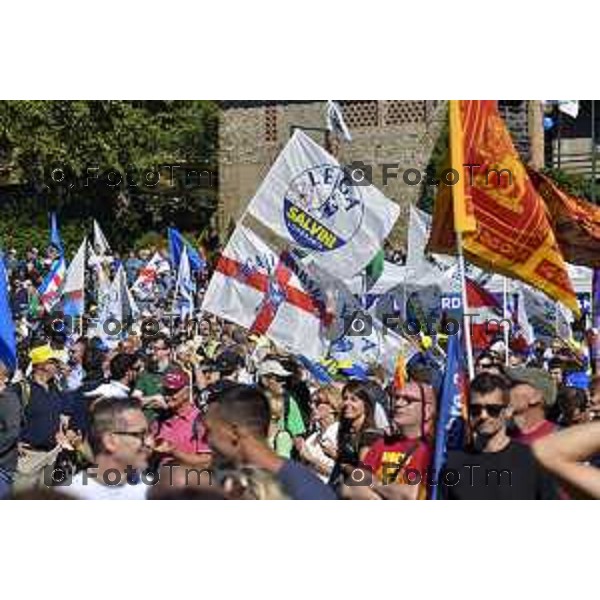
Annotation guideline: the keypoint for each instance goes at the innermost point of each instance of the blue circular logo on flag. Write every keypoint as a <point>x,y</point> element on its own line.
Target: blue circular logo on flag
<point>323,211</point>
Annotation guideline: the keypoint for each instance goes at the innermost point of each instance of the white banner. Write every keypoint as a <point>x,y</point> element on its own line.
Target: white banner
<point>308,199</point>
<point>144,285</point>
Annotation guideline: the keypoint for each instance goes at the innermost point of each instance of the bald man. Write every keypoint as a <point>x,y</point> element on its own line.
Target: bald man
<point>400,460</point>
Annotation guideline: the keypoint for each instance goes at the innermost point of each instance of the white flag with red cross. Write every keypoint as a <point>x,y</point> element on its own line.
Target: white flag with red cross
<point>256,287</point>
<point>331,212</point>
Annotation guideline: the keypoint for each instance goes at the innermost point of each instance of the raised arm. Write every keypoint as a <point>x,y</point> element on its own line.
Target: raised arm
<point>563,455</point>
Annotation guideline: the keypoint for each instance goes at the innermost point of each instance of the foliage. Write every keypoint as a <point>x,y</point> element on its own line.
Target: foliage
<point>42,142</point>
<point>151,239</point>
<point>438,161</point>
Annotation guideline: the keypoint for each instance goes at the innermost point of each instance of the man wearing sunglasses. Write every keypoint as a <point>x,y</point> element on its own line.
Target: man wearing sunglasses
<point>493,467</point>
<point>121,443</point>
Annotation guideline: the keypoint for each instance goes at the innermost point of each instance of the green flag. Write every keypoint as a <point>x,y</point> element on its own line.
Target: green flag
<point>374,269</point>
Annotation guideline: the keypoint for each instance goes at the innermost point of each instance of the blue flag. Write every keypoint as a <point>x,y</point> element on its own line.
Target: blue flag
<point>54,234</point>
<point>176,245</point>
<point>450,429</point>
<point>8,342</point>
<point>319,372</point>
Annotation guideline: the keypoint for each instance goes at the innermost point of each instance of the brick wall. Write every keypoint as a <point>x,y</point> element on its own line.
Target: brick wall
<point>394,131</point>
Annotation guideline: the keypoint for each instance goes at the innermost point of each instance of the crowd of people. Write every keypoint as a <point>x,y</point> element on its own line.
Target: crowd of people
<point>203,409</point>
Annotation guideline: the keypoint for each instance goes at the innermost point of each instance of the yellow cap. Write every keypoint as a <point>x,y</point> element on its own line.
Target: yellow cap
<point>43,354</point>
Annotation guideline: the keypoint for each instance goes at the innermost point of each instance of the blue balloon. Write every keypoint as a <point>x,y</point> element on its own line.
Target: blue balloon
<point>548,123</point>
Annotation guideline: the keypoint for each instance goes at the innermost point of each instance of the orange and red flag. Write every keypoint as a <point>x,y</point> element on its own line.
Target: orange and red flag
<point>576,222</point>
<point>505,225</point>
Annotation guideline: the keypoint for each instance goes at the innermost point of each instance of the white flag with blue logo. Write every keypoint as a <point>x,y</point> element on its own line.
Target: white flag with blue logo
<point>119,312</point>
<point>330,212</point>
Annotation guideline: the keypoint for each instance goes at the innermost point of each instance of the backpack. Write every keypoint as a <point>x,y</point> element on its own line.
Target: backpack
<point>23,390</point>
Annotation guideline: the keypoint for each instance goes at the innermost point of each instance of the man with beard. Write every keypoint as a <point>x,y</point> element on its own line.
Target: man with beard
<point>494,467</point>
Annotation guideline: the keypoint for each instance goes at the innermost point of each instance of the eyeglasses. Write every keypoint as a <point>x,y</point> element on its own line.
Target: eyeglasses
<point>407,399</point>
<point>140,435</point>
<point>493,410</point>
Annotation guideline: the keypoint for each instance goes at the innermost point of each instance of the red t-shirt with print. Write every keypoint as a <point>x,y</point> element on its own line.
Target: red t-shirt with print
<point>401,460</point>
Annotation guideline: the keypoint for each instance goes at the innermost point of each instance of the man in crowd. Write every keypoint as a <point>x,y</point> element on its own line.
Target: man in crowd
<point>494,467</point>
<point>532,392</point>
<point>148,386</point>
<point>45,418</point>
<point>180,436</point>
<point>400,460</point>
<point>10,427</point>
<point>237,423</point>
<point>122,375</point>
<point>121,444</point>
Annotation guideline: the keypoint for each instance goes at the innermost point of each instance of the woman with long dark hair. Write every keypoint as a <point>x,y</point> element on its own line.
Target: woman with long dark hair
<point>357,429</point>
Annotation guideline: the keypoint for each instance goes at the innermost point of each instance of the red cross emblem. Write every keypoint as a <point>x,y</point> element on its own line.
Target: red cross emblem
<point>277,290</point>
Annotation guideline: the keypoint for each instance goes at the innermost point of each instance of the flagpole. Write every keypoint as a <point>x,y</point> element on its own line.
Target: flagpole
<point>466,324</point>
<point>505,318</point>
<point>464,220</point>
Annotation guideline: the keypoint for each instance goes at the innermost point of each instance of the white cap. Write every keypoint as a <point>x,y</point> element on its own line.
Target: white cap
<point>271,367</point>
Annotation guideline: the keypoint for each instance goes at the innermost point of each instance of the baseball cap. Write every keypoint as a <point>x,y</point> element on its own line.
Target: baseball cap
<point>536,378</point>
<point>174,381</point>
<point>271,367</point>
<point>43,354</point>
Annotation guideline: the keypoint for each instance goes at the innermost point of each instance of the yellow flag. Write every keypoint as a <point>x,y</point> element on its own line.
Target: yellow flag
<point>464,219</point>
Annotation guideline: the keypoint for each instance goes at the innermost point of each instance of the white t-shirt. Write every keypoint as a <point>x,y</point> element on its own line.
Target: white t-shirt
<point>113,389</point>
<point>93,490</point>
<point>314,447</point>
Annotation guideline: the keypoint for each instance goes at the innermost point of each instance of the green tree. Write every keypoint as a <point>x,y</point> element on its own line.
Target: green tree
<point>58,155</point>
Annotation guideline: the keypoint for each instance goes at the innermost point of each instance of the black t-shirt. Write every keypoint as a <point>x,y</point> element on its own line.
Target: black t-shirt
<point>511,474</point>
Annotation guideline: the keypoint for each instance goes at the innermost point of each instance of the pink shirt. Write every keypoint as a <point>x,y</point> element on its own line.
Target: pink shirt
<point>179,430</point>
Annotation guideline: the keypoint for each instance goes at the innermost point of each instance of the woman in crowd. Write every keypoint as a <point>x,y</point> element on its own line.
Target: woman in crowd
<point>319,450</point>
<point>357,430</point>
